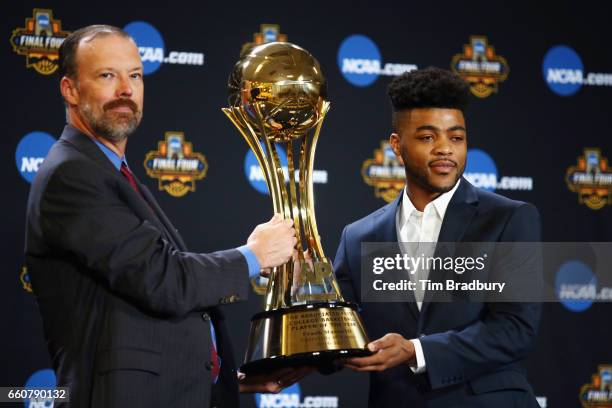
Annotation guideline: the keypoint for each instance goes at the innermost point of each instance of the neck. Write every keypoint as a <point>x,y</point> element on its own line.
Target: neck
<point>75,120</point>
<point>420,196</point>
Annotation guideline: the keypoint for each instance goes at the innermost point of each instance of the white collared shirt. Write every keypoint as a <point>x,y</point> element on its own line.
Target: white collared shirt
<point>415,226</point>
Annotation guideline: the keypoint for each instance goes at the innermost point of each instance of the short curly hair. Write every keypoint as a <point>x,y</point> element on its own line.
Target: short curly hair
<point>429,87</point>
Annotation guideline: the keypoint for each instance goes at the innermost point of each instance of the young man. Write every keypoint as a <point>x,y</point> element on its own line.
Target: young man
<point>131,317</point>
<point>432,354</point>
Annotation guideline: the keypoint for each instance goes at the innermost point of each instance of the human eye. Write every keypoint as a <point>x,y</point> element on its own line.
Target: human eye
<point>106,75</point>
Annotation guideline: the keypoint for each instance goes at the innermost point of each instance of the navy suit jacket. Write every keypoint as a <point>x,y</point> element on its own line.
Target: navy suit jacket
<point>126,309</point>
<point>471,349</point>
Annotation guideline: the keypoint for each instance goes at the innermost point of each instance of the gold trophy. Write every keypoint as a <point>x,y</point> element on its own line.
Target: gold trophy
<point>277,94</point>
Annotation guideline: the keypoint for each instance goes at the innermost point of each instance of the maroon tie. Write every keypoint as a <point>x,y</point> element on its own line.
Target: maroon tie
<point>132,180</point>
<point>130,177</point>
<point>216,367</point>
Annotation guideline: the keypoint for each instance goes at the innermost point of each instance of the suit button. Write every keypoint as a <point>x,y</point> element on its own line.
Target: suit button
<point>208,365</point>
<point>206,317</point>
<point>234,298</point>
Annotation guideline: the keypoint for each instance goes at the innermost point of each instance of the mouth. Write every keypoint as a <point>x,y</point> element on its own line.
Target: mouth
<point>121,109</point>
<point>442,167</point>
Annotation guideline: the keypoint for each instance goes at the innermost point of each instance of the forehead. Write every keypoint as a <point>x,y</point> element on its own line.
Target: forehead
<point>439,117</point>
<point>107,51</point>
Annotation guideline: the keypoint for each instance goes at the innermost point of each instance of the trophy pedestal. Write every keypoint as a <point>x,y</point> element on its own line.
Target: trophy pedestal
<point>314,334</point>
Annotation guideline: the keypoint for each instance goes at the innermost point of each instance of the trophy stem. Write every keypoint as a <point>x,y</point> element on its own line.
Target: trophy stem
<point>295,200</point>
<point>307,153</point>
<point>278,294</point>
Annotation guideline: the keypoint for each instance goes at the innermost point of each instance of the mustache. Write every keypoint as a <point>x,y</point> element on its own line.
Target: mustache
<point>121,102</point>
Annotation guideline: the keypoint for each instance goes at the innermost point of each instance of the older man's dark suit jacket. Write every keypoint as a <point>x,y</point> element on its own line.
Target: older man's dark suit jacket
<point>471,349</point>
<point>126,309</point>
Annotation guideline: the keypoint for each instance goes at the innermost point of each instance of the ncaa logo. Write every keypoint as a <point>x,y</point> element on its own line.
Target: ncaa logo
<point>480,170</point>
<point>287,398</point>
<point>150,45</point>
<point>576,286</point>
<point>359,60</point>
<point>42,379</point>
<point>563,70</point>
<point>30,153</point>
<point>255,174</point>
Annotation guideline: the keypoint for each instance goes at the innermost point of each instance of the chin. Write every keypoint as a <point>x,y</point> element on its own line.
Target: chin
<point>443,187</point>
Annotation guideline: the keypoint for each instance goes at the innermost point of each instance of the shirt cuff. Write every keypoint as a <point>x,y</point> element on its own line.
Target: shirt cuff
<point>420,357</point>
<point>251,259</point>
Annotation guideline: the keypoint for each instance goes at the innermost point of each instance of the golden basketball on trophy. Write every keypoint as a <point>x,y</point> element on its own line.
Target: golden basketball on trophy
<point>278,100</point>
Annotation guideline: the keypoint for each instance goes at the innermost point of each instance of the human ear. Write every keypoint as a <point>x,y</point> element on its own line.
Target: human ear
<point>394,141</point>
<point>69,91</point>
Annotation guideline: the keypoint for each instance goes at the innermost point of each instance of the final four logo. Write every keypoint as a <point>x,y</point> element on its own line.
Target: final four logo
<point>39,41</point>
<point>598,394</point>
<point>591,178</point>
<point>385,172</point>
<point>267,33</point>
<point>24,278</point>
<point>175,165</point>
<point>480,66</point>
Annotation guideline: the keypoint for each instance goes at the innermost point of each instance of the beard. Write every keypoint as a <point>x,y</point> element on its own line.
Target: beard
<point>420,176</point>
<point>113,126</point>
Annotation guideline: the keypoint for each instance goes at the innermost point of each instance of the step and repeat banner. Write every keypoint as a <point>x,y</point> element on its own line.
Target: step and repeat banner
<point>539,130</point>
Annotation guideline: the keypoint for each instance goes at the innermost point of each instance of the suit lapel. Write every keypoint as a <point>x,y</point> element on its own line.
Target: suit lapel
<point>459,214</point>
<point>171,231</point>
<point>386,231</point>
<point>135,201</point>
<point>89,148</point>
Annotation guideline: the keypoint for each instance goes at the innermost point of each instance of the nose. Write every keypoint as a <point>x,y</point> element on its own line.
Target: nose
<point>124,88</point>
<point>443,147</point>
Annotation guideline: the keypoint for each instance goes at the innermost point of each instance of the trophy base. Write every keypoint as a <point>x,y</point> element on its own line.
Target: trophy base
<point>323,361</point>
<point>313,335</point>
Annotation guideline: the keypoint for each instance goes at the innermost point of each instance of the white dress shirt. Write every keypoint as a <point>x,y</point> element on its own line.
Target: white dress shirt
<point>415,226</point>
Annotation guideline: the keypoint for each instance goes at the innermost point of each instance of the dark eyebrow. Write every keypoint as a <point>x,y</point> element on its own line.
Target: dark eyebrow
<point>428,127</point>
<point>437,129</point>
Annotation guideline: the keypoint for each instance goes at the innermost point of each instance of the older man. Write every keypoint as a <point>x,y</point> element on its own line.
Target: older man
<point>131,317</point>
